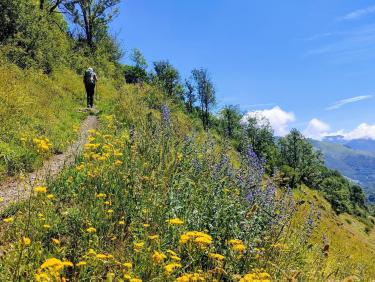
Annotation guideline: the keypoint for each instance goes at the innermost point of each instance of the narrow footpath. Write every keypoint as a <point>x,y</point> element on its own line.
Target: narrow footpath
<point>13,189</point>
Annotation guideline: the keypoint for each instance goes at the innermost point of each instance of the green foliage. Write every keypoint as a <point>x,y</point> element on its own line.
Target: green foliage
<point>343,195</point>
<point>168,78</point>
<point>230,117</point>
<point>92,17</point>
<point>206,94</point>
<point>257,133</point>
<point>138,59</point>
<point>299,155</point>
<point>33,39</point>
<point>189,95</point>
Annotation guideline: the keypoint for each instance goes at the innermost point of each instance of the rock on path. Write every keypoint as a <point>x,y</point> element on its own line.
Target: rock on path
<point>13,189</point>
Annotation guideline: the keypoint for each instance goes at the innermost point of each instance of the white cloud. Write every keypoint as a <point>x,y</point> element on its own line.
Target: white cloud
<point>362,131</point>
<point>340,103</point>
<point>316,129</point>
<point>358,13</point>
<point>278,118</point>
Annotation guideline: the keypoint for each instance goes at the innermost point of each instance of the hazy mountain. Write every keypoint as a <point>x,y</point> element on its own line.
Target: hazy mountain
<point>367,145</point>
<point>358,165</point>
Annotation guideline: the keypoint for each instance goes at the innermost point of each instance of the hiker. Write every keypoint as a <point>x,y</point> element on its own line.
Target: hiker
<point>89,79</point>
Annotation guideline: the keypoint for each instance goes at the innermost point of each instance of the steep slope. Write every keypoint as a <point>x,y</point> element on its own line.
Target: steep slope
<point>349,242</point>
<point>154,197</point>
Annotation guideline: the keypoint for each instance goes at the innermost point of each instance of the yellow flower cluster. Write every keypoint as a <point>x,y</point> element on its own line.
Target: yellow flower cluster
<point>237,245</point>
<point>91,230</point>
<point>199,238</point>
<point>158,257</point>
<point>8,219</point>
<point>40,189</point>
<point>175,221</point>
<point>25,241</point>
<point>191,277</point>
<point>215,256</point>
<point>256,277</point>
<point>169,268</point>
<point>138,246</point>
<point>51,269</point>
<point>43,145</point>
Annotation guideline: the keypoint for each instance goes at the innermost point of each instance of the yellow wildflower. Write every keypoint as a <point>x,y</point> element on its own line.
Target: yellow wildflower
<point>169,268</point>
<point>46,226</point>
<point>56,241</point>
<point>118,163</point>
<point>102,256</point>
<point>135,280</point>
<point>50,196</point>
<point>40,189</point>
<point>91,230</point>
<point>153,237</point>
<point>190,277</point>
<point>197,237</point>
<point>171,252</point>
<point>128,265</point>
<point>237,245</point>
<point>109,211</point>
<point>256,276</point>
<point>175,221</point>
<point>176,258</point>
<point>146,225</point>
<point>26,241</point>
<point>55,264</point>
<point>91,252</point>
<point>215,256</point>
<point>158,257</point>
<point>138,246</point>
<point>81,263</point>
<point>8,219</point>
<point>101,195</point>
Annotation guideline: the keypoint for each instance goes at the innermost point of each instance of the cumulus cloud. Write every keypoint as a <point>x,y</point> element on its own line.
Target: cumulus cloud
<point>340,103</point>
<point>362,131</point>
<point>278,118</point>
<point>316,129</point>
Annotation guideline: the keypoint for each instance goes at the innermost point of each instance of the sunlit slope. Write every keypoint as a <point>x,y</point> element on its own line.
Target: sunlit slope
<point>350,241</point>
<point>39,115</point>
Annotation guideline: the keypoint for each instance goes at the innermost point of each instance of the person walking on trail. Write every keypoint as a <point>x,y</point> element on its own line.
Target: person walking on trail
<point>90,79</point>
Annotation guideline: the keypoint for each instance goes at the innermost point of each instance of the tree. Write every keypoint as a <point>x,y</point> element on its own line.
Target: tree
<point>167,77</point>
<point>189,95</point>
<point>230,117</point>
<point>138,59</point>
<point>92,16</point>
<point>51,5</point>
<point>258,133</point>
<point>298,154</point>
<point>206,93</point>
<point>136,73</point>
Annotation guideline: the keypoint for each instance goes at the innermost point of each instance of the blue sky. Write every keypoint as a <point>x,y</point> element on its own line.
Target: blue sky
<point>304,64</point>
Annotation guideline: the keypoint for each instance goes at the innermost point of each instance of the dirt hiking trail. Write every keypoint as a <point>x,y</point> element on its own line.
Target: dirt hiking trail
<point>13,189</point>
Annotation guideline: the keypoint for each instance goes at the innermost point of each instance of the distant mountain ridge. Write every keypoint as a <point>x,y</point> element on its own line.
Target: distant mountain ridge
<point>363,144</point>
<point>355,159</point>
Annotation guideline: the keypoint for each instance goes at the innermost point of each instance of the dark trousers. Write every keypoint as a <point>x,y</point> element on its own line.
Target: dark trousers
<point>90,89</point>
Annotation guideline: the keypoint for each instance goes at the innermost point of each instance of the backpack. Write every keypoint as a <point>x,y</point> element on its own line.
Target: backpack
<point>89,77</point>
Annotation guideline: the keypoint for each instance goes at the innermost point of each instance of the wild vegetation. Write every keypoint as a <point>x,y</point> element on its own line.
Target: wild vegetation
<point>165,190</point>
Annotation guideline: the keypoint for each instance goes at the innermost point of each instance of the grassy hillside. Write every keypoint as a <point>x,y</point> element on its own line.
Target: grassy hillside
<point>154,197</point>
<point>35,106</point>
<point>349,242</point>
